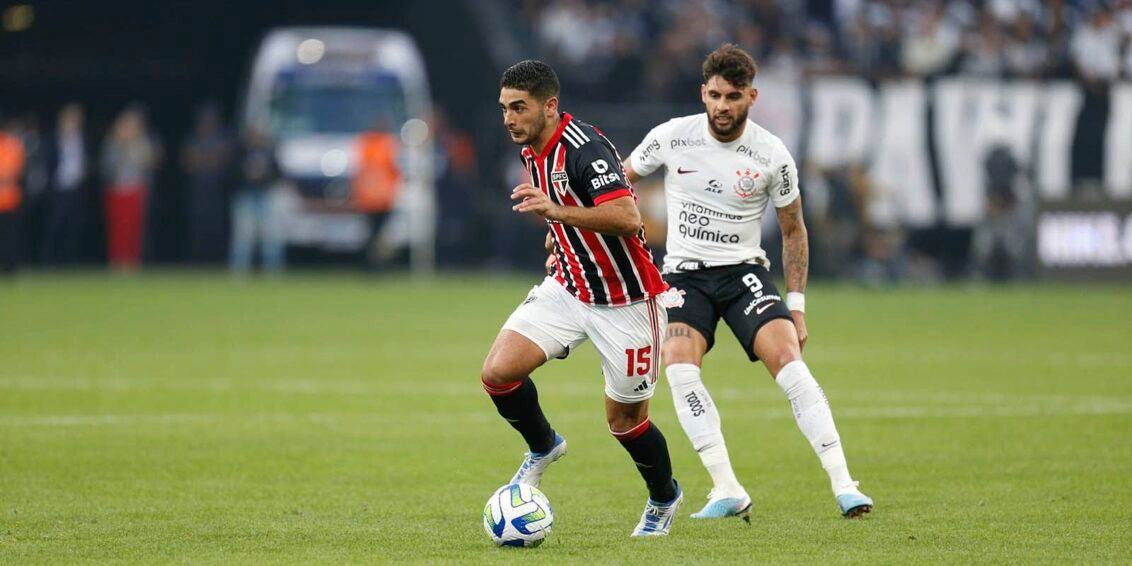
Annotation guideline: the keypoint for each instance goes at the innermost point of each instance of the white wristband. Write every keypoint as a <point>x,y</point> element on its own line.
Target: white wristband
<point>796,301</point>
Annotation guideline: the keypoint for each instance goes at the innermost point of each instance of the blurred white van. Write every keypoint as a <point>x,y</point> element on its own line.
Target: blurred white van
<point>314,90</point>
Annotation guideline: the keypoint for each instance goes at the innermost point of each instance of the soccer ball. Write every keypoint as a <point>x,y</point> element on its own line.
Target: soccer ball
<point>518,515</point>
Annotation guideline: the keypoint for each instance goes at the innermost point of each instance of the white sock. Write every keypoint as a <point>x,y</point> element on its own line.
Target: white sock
<point>811,412</point>
<point>700,419</point>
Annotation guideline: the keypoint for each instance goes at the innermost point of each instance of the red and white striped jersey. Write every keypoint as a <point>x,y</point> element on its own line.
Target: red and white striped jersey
<point>580,167</point>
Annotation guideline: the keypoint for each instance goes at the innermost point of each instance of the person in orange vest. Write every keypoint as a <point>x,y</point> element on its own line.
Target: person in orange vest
<point>376,181</point>
<point>11,170</point>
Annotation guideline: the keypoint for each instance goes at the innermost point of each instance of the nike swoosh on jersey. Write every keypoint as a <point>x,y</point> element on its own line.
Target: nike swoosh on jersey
<point>683,171</point>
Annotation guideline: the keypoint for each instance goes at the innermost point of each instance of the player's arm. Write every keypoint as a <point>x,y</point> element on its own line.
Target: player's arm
<point>795,262</point>
<point>616,217</point>
<point>784,193</point>
<point>795,246</point>
<point>646,157</point>
<point>630,174</point>
<point>593,170</point>
<point>550,259</point>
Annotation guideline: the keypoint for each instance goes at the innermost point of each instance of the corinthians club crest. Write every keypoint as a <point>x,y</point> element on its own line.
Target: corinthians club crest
<point>745,186</point>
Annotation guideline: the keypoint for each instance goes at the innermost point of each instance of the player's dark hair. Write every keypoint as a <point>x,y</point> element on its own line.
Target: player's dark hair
<point>732,63</point>
<point>532,76</point>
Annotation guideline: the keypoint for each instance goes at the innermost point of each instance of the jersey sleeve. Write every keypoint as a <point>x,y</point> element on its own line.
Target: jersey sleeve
<point>783,187</point>
<point>596,171</point>
<point>647,157</point>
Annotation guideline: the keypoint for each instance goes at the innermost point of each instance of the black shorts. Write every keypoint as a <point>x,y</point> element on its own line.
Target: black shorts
<point>743,295</point>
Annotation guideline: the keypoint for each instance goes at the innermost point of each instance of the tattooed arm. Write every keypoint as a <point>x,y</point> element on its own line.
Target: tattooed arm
<point>795,246</point>
<point>795,257</point>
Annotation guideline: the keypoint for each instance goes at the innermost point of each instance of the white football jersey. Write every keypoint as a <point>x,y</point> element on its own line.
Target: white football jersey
<point>716,192</point>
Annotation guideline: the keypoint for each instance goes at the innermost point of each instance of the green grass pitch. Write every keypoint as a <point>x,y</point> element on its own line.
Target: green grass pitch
<point>185,418</point>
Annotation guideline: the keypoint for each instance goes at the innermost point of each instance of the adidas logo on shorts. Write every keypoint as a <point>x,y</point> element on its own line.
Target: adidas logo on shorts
<point>644,385</point>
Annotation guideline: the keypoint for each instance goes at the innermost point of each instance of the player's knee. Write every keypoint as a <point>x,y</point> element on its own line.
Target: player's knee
<point>622,423</point>
<point>677,351</point>
<point>680,350</point>
<point>624,417</point>
<point>495,372</point>
<point>781,357</point>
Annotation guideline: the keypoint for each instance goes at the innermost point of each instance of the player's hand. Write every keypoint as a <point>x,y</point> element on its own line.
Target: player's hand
<point>550,264</point>
<point>800,326</point>
<point>533,200</point>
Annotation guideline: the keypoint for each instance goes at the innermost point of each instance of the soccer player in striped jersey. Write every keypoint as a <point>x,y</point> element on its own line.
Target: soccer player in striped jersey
<point>602,288</point>
<point>721,172</point>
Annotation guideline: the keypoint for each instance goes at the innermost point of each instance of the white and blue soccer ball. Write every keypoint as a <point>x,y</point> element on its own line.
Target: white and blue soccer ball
<point>518,515</point>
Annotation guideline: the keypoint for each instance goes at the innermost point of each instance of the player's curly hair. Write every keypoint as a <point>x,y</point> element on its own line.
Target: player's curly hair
<point>532,76</point>
<point>732,63</point>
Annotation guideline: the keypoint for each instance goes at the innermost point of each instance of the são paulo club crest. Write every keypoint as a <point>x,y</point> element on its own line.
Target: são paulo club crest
<point>745,186</point>
<point>561,182</point>
<point>558,177</point>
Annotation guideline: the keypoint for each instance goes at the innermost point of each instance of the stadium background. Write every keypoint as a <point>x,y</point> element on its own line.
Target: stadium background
<point>837,80</point>
<point>179,414</point>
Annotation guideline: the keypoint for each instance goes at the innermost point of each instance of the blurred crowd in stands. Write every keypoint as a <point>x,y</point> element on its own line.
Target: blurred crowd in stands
<point>88,196</point>
<point>652,50</point>
<point>70,196</point>
<point>73,196</point>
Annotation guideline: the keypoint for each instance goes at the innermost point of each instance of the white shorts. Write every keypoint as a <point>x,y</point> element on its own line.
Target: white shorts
<point>627,337</point>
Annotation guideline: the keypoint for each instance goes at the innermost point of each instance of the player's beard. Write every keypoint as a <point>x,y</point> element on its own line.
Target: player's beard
<point>532,135</point>
<point>737,122</point>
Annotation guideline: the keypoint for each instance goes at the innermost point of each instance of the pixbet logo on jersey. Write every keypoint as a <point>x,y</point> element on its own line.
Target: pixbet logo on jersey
<point>754,154</point>
<point>745,186</point>
<point>687,142</point>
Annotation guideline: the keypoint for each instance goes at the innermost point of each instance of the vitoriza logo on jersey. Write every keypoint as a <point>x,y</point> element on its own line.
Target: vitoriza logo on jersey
<point>745,185</point>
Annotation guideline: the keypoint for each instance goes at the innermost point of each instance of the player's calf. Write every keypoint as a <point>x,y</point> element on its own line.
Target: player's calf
<point>700,420</point>
<point>649,451</point>
<point>815,420</point>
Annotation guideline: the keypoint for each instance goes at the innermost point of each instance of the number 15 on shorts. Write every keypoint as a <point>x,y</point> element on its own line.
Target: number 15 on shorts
<point>638,361</point>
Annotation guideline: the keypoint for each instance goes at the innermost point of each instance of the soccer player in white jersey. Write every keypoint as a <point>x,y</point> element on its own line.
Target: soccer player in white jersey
<point>603,288</point>
<point>721,170</point>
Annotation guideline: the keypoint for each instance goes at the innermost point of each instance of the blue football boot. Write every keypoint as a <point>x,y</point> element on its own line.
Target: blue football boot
<point>720,507</point>
<point>656,521</point>
<point>853,503</point>
<point>534,464</point>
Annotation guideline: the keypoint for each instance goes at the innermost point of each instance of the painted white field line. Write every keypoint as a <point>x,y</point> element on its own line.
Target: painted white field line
<point>1118,408</point>
<point>829,356</point>
<point>433,386</point>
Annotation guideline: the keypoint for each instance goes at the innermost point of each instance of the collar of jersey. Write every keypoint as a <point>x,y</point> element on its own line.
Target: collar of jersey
<point>553,141</point>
